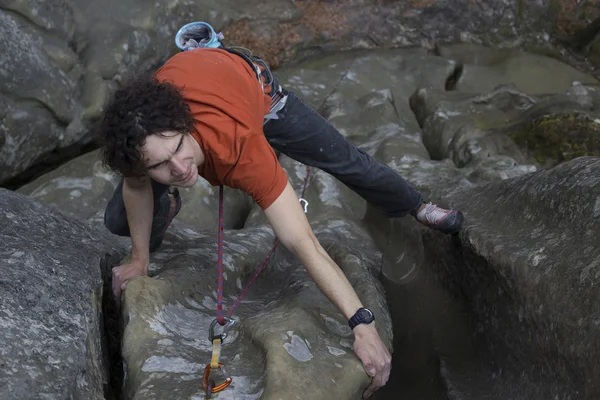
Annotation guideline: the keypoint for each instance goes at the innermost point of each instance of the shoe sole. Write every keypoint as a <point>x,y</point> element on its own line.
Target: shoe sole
<point>455,226</point>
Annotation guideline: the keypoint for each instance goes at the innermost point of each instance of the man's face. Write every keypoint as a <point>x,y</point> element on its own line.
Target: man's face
<point>173,158</point>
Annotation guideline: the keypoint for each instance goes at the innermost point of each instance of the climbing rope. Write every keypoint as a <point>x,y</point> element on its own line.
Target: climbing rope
<point>226,321</point>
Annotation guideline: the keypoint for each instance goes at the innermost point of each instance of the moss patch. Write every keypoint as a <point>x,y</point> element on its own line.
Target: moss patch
<point>553,139</point>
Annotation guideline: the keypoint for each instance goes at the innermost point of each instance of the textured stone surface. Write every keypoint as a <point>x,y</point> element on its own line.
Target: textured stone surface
<point>527,265</point>
<point>61,59</point>
<point>84,182</point>
<point>288,333</point>
<point>479,315</point>
<point>485,68</point>
<point>51,291</point>
<point>508,128</point>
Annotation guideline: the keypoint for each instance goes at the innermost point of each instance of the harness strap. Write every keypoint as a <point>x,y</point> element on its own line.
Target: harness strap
<point>268,83</point>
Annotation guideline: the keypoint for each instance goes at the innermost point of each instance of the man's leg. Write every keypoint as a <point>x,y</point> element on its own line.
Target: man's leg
<point>304,135</point>
<point>166,206</point>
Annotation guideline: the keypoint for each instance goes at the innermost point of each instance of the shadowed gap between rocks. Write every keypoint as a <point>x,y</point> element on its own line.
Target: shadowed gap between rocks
<point>453,79</point>
<point>112,332</point>
<point>49,162</point>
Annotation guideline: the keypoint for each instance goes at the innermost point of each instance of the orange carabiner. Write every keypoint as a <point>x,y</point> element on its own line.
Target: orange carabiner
<point>213,388</point>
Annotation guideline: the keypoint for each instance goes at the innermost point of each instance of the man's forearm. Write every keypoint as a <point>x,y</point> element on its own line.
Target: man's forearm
<point>327,276</point>
<point>139,204</point>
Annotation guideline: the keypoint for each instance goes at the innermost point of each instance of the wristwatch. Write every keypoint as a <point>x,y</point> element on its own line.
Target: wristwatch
<point>362,316</point>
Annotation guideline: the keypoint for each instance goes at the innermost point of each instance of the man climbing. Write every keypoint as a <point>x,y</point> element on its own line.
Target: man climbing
<point>217,113</point>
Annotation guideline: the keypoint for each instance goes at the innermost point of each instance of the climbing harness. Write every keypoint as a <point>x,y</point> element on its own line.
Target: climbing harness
<point>198,35</point>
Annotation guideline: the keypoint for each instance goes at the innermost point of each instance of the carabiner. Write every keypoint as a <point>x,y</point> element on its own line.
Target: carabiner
<point>226,327</point>
<point>209,384</point>
<point>304,203</point>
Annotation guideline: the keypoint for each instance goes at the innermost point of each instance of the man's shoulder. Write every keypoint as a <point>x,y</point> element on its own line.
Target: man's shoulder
<point>198,63</point>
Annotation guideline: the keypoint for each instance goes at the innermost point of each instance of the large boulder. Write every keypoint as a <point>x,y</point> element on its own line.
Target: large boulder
<point>287,332</point>
<point>52,294</point>
<point>510,125</point>
<point>527,267</point>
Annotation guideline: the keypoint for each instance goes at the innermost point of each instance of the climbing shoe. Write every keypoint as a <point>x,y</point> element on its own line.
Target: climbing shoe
<point>435,217</point>
<point>170,204</point>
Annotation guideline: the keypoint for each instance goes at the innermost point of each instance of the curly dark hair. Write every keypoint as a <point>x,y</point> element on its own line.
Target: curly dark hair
<point>143,107</point>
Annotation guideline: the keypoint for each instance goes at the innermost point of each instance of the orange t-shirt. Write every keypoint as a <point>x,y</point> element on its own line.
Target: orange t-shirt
<point>228,106</point>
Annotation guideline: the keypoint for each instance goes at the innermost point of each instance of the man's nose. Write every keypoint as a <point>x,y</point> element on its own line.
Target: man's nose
<point>177,167</point>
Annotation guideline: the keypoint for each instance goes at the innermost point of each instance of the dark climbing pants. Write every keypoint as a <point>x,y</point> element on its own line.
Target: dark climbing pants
<point>307,137</point>
<point>303,135</point>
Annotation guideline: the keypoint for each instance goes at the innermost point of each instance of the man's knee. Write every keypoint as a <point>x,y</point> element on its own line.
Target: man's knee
<point>115,223</point>
<point>115,216</point>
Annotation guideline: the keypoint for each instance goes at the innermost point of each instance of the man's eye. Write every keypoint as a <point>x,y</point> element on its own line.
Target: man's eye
<point>157,166</point>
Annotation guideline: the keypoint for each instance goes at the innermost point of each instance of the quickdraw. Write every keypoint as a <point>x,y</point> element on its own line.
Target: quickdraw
<point>227,322</point>
<point>208,382</point>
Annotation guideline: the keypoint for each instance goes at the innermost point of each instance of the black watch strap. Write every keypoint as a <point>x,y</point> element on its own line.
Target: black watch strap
<point>362,316</point>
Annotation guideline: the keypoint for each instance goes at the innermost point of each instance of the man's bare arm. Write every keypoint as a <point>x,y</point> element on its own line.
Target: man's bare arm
<point>293,230</point>
<point>139,204</point>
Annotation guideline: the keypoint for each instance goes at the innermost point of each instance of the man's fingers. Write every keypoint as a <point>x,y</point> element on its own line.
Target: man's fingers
<point>380,376</point>
<point>116,290</point>
<point>367,362</point>
<point>117,281</point>
<point>387,371</point>
<point>376,383</point>
<point>371,388</point>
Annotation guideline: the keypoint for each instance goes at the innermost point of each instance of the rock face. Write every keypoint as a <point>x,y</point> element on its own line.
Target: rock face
<point>509,125</point>
<point>505,310</point>
<point>61,60</point>
<point>527,266</point>
<point>51,291</point>
<point>288,333</point>
<point>495,328</point>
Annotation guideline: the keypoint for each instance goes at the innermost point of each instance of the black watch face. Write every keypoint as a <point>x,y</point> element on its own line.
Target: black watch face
<point>365,315</point>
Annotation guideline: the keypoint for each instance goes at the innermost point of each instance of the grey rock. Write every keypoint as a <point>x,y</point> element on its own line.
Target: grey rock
<point>62,59</point>
<point>508,129</point>
<point>287,333</point>
<point>485,68</point>
<point>479,315</point>
<point>85,182</point>
<point>51,291</point>
<point>527,267</point>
